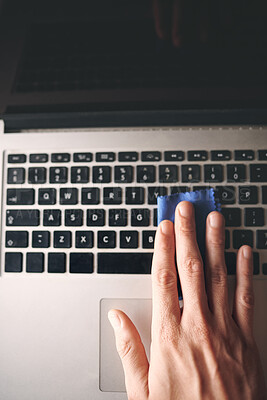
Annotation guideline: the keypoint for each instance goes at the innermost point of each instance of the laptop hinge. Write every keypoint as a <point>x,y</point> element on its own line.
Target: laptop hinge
<point>2,126</point>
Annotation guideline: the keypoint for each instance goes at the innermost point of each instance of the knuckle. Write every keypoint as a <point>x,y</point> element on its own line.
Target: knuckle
<point>218,276</point>
<point>193,266</point>
<point>124,348</point>
<point>165,278</point>
<point>247,299</point>
<point>217,242</point>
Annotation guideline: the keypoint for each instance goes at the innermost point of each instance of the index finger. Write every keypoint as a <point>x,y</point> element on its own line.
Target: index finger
<point>189,261</point>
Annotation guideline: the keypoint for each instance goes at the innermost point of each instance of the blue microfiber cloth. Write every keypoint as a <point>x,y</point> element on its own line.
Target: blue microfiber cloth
<point>204,202</point>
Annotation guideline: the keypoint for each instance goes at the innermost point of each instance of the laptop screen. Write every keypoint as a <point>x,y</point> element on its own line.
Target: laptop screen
<point>138,55</point>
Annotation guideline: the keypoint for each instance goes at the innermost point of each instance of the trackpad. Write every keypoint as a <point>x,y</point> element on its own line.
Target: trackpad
<point>140,312</point>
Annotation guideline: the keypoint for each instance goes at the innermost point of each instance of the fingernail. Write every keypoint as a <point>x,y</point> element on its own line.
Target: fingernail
<point>247,252</point>
<point>185,210</point>
<point>166,228</point>
<point>114,319</point>
<point>215,221</point>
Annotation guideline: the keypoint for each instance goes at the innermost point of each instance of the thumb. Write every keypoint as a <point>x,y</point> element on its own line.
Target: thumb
<point>132,353</point>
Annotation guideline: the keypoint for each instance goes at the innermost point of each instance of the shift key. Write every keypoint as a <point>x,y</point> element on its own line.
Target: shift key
<point>23,217</point>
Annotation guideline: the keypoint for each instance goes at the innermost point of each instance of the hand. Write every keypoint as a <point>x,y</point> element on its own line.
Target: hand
<point>203,350</point>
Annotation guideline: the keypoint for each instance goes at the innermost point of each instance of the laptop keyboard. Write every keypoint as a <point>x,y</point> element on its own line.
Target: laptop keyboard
<point>96,212</point>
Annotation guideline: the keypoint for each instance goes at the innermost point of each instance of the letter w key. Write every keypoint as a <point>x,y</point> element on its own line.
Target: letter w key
<point>68,196</point>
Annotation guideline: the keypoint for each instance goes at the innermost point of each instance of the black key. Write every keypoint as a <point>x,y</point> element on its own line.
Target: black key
<point>227,239</point>
<point>38,158</point>
<point>58,175</point>
<point>232,216</point>
<point>256,263</point>
<point>155,217</point>
<point>254,216</point>
<point>13,262</point>
<point>74,217</point>
<point>146,174</point>
<point>90,196</point>
<point>84,239</point>
<point>261,239</point>
<point>236,172</point>
<point>225,194</point>
<point>248,195</point>
<point>230,261</point>
<point>117,217</point>
<point>106,239</point>
<point>153,193</point>
<point>16,158</point>
<point>264,194</point>
<point>124,263</point>
<point>213,173</point>
<point>40,239</point>
<point>124,174</point>
<point>168,173</point>
<point>81,263</point>
<point>105,156</point>
<point>52,218</point>
<point>179,189</point>
<point>79,174</point>
<point>17,239</point>
<point>16,176</point>
<point>140,217</point>
<point>262,155</point>
<point>241,237</point>
<point>56,262</point>
<point>241,155</point>
<point>151,156</point>
<point>82,157</point>
<point>264,269</point>
<point>47,196</point>
<point>135,195</point>
<point>197,155</point>
<point>60,157</point>
<point>128,239</point>
<point>220,155</point>
<point>68,196</point>
<point>22,217</point>
<point>148,239</point>
<point>95,217</point>
<point>112,195</point>
<point>190,173</point>
<point>35,262</point>
<point>258,172</point>
<point>20,197</point>
<point>37,175</point>
<point>173,155</point>
<point>128,156</point>
<point>62,239</point>
<point>101,174</point>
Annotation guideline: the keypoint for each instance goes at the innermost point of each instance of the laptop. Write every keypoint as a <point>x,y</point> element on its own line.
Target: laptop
<point>99,116</point>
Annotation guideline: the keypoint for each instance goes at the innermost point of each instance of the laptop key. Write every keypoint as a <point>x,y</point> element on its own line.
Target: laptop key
<point>232,216</point>
<point>60,157</point>
<point>148,238</point>
<point>150,156</point>
<point>225,194</point>
<point>213,173</point>
<point>82,157</point>
<point>52,218</point>
<point>242,236</point>
<point>128,239</point>
<point>68,196</point>
<point>22,217</point>
<point>102,174</point>
<point>254,216</point>
<point>256,263</point>
<point>90,196</point>
<point>79,174</point>
<point>62,239</point>
<point>220,155</point>
<point>190,173</point>
<point>264,268</point>
<point>262,155</point>
<point>261,239</point>
<point>236,172</point>
<point>258,172</point>
<point>35,262</point>
<point>118,217</point>
<point>241,155</point>
<point>105,156</point>
<point>13,262</point>
<point>155,217</point>
<point>74,217</point>
<point>230,261</point>
<point>173,156</point>
<point>40,239</point>
<point>81,263</point>
<point>17,239</point>
<point>146,174</point>
<point>58,175</point>
<point>168,173</point>
<point>38,158</point>
<point>264,194</point>
<point>112,195</point>
<point>128,156</point>
<point>96,217</point>
<point>135,195</point>
<point>47,196</point>
<point>56,262</point>
<point>106,239</point>
<point>84,239</point>
<point>123,174</point>
<point>15,176</point>
<point>16,158</point>
<point>153,192</point>
<point>197,155</point>
<point>140,217</point>
<point>37,175</point>
<point>227,239</point>
<point>248,195</point>
<point>124,263</point>
<point>20,197</point>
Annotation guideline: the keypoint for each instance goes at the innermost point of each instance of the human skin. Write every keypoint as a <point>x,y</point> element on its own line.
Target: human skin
<point>204,350</point>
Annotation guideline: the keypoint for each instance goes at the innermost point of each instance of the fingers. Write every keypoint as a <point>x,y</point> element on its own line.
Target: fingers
<point>166,310</point>
<point>190,265</point>
<point>132,353</point>
<point>244,297</point>
<point>216,273</point>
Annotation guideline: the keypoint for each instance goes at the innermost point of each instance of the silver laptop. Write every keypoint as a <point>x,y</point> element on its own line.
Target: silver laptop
<point>95,124</point>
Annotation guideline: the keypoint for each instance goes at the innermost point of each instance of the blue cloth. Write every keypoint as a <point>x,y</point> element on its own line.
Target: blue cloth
<point>204,202</point>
